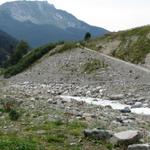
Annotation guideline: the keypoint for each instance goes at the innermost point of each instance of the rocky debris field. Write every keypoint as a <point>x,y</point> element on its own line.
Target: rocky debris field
<point>41,103</point>
<point>33,111</point>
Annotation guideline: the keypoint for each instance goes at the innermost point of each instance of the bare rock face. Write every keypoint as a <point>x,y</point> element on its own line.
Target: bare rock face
<point>128,137</point>
<point>139,147</point>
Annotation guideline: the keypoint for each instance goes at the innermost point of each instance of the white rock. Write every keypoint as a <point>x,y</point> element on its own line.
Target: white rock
<point>139,147</point>
<point>137,105</point>
<point>128,136</point>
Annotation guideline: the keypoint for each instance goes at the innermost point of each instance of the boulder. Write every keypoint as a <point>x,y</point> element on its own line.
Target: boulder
<point>128,137</point>
<point>98,134</point>
<point>116,96</point>
<point>137,105</point>
<point>52,101</point>
<point>125,110</point>
<point>139,147</point>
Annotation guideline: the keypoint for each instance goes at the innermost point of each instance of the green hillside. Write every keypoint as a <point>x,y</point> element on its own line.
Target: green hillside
<point>132,45</point>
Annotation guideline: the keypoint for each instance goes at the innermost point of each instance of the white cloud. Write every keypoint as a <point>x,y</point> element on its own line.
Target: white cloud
<point>110,14</point>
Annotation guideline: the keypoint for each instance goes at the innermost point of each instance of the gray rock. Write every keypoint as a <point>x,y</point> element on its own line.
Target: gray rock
<point>125,110</point>
<point>51,101</point>
<point>98,134</point>
<point>88,93</point>
<point>128,137</point>
<point>141,99</point>
<point>139,147</point>
<point>137,105</point>
<point>116,96</point>
<point>88,116</point>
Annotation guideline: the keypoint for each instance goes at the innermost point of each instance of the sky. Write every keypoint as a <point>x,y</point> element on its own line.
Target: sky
<point>113,15</point>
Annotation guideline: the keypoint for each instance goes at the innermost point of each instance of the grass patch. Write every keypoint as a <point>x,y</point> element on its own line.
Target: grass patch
<point>92,65</point>
<point>13,143</point>
<point>134,52</point>
<point>52,135</point>
<point>131,50</point>
<point>56,138</point>
<point>47,126</point>
<point>134,46</point>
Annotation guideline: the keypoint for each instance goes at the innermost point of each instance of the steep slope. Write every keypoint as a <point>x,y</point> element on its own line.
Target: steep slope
<point>7,43</point>
<point>38,22</point>
<point>132,45</point>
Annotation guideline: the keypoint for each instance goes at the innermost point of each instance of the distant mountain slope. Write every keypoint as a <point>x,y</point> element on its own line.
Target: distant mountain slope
<point>38,23</point>
<point>7,43</point>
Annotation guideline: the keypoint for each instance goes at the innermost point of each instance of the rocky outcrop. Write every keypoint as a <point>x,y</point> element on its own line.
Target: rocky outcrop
<point>98,134</point>
<point>128,137</point>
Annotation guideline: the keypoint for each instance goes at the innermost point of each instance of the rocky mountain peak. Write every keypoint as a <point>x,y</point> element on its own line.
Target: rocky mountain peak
<point>21,18</point>
<point>37,12</point>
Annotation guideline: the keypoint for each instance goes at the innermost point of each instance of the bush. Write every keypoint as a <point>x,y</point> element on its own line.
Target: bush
<point>8,104</point>
<point>14,115</point>
<point>87,36</point>
<point>93,65</point>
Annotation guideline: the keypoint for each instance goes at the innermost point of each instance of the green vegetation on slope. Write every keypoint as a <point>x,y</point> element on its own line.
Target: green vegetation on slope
<point>52,135</point>
<point>92,65</point>
<point>65,47</point>
<point>21,49</point>
<point>28,59</point>
<point>134,44</point>
<point>35,55</point>
<point>57,130</point>
<point>16,143</point>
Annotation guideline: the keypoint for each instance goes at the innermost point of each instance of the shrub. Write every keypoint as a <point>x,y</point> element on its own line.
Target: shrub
<point>87,36</point>
<point>92,65</point>
<point>14,115</point>
<point>8,104</point>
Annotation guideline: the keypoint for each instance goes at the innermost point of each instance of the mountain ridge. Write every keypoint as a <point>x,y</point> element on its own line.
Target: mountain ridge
<point>31,16</point>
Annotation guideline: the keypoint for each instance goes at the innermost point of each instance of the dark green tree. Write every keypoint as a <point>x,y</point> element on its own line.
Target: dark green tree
<point>20,50</point>
<point>87,36</point>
